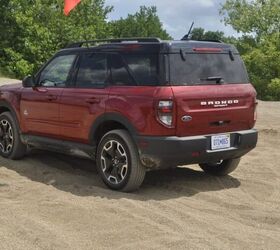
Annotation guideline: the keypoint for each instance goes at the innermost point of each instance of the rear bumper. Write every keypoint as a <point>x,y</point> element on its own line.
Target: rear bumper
<point>164,152</point>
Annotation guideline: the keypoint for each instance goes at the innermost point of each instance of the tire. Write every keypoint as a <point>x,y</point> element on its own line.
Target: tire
<point>118,162</point>
<point>220,168</point>
<point>11,145</point>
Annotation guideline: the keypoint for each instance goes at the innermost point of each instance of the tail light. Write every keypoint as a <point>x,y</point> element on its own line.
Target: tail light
<point>207,50</point>
<point>165,112</point>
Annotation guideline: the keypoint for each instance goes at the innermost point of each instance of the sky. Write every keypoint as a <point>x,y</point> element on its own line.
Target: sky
<point>177,15</point>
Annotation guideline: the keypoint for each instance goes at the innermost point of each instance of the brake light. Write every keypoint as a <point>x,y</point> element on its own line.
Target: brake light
<point>165,112</point>
<point>129,47</point>
<point>213,50</point>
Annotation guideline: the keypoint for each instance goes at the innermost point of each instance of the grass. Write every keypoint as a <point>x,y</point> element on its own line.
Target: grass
<point>1,74</point>
<point>4,75</point>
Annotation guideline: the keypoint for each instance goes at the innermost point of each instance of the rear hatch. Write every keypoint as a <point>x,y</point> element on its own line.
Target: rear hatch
<point>211,89</point>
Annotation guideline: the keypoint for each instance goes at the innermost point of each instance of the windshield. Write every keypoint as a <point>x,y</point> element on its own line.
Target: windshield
<point>203,68</point>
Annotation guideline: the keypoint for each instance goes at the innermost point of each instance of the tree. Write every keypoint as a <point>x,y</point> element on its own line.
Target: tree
<point>261,17</point>
<point>31,31</point>
<point>144,23</point>
<point>259,21</point>
<point>201,34</point>
<point>197,34</point>
<point>263,64</point>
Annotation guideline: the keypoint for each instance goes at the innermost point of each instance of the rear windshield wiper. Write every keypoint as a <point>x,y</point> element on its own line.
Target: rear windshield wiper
<point>217,79</point>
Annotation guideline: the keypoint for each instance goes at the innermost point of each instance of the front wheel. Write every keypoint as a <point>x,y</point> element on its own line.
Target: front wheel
<point>220,168</point>
<point>118,161</point>
<point>11,145</point>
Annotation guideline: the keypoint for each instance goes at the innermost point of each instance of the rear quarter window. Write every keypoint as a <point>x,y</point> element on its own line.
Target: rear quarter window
<point>144,68</point>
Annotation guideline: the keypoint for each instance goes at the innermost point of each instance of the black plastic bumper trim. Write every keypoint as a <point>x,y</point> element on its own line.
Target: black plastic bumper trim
<point>164,152</point>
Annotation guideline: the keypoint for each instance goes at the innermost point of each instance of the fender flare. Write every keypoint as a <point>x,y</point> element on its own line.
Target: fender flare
<point>13,112</point>
<point>112,117</point>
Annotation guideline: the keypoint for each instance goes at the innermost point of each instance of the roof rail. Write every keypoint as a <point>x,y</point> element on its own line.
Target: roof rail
<point>211,40</point>
<point>116,40</point>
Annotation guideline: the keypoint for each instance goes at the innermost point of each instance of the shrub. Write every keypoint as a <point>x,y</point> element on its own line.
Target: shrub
<point>274,89</point>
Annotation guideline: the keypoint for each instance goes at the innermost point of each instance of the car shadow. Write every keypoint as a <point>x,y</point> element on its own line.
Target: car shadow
<point>79,177</point>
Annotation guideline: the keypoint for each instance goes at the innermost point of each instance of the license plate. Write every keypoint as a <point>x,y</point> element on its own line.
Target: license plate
<point>220,141</point>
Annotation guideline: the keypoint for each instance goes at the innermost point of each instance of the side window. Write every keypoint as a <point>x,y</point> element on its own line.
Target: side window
<point>93,70</point>
<point>119,73</point>
<point>56,72</point>
<point>144,68</point>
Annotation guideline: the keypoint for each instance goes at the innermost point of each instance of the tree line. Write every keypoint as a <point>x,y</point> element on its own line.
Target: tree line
<point>31,31</point>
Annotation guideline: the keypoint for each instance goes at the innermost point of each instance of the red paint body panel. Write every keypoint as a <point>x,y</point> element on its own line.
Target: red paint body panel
<point>71,114</point>
<point>39,111</point>
<point>79,108</point>
<point>137,104</point>
<point>238,116</point>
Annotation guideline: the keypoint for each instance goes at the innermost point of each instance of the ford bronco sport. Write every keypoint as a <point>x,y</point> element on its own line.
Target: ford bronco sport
<point>134,105</point>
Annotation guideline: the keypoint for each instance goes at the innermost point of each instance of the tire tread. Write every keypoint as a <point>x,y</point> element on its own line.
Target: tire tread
<point>226,167</point>
<point>138,171</point>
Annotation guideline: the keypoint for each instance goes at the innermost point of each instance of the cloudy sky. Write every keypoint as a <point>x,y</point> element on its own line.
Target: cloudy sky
<point>177,15</point>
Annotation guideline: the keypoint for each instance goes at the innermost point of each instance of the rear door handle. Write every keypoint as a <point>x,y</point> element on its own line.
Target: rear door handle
<point>51,97</point>
<point>93,100</point>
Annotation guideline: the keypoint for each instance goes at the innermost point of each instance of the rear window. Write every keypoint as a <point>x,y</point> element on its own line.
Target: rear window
<point>203,68</point>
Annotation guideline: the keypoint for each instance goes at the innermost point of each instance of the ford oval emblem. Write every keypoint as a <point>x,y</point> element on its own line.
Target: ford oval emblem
<point>186,118</point>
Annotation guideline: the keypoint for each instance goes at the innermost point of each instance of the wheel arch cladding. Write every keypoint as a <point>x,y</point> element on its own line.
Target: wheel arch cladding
<point>107,122</point>
<point>6,107</point>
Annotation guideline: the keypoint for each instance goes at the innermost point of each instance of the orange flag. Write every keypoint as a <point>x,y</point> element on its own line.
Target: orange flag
<point>69,5</point>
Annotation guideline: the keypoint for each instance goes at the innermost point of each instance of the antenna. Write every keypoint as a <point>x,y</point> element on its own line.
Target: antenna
<point>186,37</point>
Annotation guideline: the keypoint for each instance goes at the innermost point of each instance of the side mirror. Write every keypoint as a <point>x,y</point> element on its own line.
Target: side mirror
<point>28,82</point>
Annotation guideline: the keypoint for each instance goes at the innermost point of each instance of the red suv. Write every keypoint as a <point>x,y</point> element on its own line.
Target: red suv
<point>134,105</point>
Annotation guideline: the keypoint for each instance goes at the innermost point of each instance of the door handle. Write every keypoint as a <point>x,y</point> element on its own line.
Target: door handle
<point>93,100</point>
<point>51,97</point>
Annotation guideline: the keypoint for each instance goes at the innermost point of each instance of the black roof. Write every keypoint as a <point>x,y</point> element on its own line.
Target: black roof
<point>150,44</point>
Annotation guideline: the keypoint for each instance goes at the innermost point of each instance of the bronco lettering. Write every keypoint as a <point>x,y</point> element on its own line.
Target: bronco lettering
<point>222,103</point>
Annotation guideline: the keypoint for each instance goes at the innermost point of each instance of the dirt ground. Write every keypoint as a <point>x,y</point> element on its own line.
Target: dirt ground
<point>52,201</point>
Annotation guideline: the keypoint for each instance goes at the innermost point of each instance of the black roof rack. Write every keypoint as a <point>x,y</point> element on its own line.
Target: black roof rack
<point>210,40</point>
<point>115,40</point>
